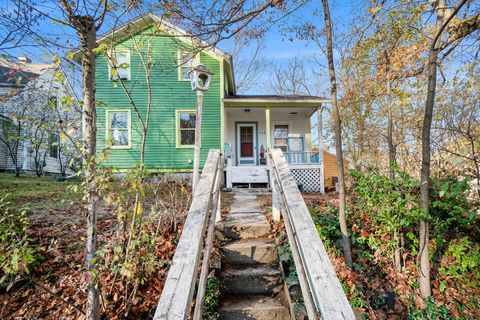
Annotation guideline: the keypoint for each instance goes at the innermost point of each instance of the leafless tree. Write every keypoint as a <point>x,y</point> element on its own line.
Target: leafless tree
<point>457,29</point>
<point>338,136</point>
<point>249,68</point>
<point>291,79</point>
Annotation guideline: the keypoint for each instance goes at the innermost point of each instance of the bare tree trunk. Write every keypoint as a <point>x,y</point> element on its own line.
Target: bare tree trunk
<point>423,251</point>
<point>88,39</point>
<point>392,161</point>
<point>198,141</point>
<point>391,148</point>
<point>338,137</point>
<point>475,162</point>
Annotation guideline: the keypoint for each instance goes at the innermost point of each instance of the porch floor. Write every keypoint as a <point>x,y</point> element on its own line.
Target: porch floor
<point>247,175</point>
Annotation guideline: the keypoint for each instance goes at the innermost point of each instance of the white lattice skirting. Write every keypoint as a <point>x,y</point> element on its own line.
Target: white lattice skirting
<point>309,178</point>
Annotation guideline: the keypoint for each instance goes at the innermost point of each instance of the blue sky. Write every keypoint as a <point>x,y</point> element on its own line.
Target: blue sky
<point>279,46</point>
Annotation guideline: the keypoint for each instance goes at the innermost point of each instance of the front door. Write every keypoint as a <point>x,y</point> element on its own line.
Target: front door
<point>246,144</point>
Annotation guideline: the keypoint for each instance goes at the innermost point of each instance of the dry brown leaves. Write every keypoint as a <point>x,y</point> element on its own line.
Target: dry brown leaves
<point>62,234</point>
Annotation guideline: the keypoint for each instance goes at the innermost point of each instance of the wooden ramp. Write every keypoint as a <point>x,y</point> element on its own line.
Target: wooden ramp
<point>251,281</point>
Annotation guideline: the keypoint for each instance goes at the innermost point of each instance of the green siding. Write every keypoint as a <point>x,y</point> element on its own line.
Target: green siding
<point>168,95</point>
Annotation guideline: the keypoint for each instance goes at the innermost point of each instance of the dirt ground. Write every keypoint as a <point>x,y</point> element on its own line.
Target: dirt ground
<point>56,288</point>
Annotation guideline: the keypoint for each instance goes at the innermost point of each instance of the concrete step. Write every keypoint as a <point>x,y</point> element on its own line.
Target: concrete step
<point>248,230</point>
<point>253,308</point>
<point>250,251</point>
<point>251,280</point>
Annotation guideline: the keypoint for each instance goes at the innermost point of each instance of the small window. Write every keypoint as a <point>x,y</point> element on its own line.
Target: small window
<point>53,143</point>
<point>186,128</point>
<point>118,134</point>
<point>187,62</point>
<point>121,62</point>
<point>52,102</point>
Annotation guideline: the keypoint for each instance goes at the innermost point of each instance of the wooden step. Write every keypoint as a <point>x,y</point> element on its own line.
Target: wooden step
<point>251,280</point>
<point>257,307</point>
<point>249,252</point>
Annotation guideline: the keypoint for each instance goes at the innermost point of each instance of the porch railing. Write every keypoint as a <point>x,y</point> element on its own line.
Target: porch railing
<point>306,157</point>
<point>322,293</point>
<point>178,292</point>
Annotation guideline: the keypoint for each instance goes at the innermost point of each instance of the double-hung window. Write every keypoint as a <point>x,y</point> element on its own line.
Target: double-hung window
<point>186,128</point>
<point>280,137</point>
<point>119,65</point>
<point>186,62</point>
<point>52,102</point>
<point>53,144</point>
<point>118,130</point>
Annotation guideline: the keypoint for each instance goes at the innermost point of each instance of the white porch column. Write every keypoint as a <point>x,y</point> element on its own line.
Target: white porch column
<point>275,199</point>
<point>267,127</point>
<point>320,148</point>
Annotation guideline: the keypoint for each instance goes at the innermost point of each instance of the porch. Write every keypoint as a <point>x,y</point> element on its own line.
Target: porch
<point>254,125</point>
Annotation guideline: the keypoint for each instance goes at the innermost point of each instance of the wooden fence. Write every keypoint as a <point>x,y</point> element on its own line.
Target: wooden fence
<point>177,295</point>
<point>322,292</point>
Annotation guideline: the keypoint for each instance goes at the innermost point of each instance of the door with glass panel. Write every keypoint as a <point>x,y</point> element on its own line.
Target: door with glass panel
<point>246,144</point>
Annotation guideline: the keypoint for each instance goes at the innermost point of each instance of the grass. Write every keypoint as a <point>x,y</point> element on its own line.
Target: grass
<point>37,193</point>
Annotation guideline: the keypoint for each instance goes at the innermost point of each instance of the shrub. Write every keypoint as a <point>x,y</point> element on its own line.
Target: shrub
<point>389,209</point>
<point>462,258</point>
<point>17,254</point>
<point>212,295</point>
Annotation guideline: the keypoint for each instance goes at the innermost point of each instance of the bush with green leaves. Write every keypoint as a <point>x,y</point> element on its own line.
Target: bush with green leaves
<point>462,263</point>
<point>17,253</point>
<point>212,295</point>
<point>391,205</point>
<point>328,227</point>
<point>450,207</point>
<point>432,310</point>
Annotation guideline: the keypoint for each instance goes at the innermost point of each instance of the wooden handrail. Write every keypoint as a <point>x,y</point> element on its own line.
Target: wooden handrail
<point>177,295</point>
<point>322,292</point>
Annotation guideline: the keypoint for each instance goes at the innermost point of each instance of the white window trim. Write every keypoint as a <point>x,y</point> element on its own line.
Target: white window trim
<point>177,128</point>
<point>181,66</point>
<point>129,126</point>
<point>127,53</point>
<point>58,147</point>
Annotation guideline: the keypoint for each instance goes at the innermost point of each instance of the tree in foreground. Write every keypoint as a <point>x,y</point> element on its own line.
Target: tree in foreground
<point>338,137</point>
<point>457,29</point>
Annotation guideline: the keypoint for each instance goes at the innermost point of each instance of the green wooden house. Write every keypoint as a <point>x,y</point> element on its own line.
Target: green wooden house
<point>243,126</point>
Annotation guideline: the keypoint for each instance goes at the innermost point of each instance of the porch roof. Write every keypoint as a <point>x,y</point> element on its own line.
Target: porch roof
<point>273,100</point>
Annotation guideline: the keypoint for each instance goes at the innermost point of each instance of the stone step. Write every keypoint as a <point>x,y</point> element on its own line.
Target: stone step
<point>251,280</point>
<point>250,251</point>
<point>246,228</point>
<point>253,308</point>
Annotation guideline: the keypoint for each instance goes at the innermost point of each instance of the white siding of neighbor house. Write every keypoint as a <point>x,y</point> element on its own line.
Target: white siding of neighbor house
<point>25,153</point>
<point>3,155</point>
<point>298,124</point>
<point>52,165</point>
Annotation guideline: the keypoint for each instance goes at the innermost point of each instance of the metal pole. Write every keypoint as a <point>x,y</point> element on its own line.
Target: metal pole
<point>198,141</point>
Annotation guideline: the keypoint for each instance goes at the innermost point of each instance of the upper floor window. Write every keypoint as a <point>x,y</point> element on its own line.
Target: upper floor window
<point>53,144</point>
<point>118,129</point>
<point>186,128</point>
<point>186,62</point>
<point>119,65</point>
<point>52,102</point>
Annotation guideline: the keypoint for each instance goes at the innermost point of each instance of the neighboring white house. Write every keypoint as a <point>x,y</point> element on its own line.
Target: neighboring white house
<point>31,118</point>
